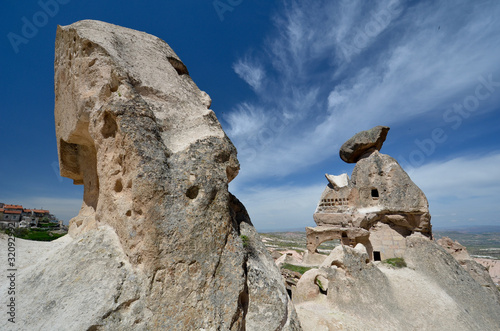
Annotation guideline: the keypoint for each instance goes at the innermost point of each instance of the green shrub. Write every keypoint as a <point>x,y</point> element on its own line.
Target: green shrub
<point>397,262</point>
<point>296,268</point>
<point>318,282</point>
<point>245,240</point>
<point>34,234</point>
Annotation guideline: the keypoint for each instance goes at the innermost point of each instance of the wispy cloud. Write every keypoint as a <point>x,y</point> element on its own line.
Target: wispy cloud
<point>470,176</point>
<point>334,68</point>
<point>251,73</point>
<point>462,190</point>
<point>417,60</point>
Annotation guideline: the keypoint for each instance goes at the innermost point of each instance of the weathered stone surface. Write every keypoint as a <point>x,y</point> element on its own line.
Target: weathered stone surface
<point>468,292</point>
<point>308,288</point>
<point>478,271</point>
<point>493,267</point>
<point>433,293</point>
<point>363,143</point>
<point>338,181</point>
<point>78,285</point>
<point>269,307</point>
<point>289,256</point>
<point>395,191</point>
<point>456,250</point>
<point>136,131</point>
<point>313,259</point>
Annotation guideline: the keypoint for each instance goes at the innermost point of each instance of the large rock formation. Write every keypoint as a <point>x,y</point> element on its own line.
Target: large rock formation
<point>380,214</point>
<point>434,292</point>
<point>378,206</point>
<point>158,234</point>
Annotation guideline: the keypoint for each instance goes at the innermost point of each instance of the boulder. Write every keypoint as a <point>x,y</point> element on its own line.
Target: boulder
<point>289,256</point>
<point>363,143</point>
<point>311,285</point>
<point>136,131</point>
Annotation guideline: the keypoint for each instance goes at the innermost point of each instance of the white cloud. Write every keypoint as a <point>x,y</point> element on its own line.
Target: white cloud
<point>245,120</point>
<point>420,60</point>
<point>251,73</point>
<point>463,178</point>
<point>464,190</point>
<point>281,207</point>
<point>334,68</point>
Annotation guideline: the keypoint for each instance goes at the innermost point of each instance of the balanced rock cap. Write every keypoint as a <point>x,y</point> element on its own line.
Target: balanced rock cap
<point>362,143</point>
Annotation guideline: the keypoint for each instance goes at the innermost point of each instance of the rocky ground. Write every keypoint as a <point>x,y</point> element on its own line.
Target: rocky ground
<point>483,247</point>
<point>479,245</point>
<point>383,295</point>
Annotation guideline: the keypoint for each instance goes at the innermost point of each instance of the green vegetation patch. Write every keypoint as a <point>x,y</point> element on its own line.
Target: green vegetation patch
<point>48,225</point>
<point>318,282</point>
<point>245,240</point>
<point>35,234</point>
<point>397,262</point>
<point>301,270</point>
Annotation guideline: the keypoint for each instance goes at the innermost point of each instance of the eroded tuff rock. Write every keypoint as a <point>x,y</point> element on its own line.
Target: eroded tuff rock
<point>136,131</point>
<point>363,143</point>
<point>378,206</point>
<point>348,292</point>
<point>378,214</point>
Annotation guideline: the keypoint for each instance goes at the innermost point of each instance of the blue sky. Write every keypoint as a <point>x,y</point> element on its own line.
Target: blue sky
<point>290,82</point>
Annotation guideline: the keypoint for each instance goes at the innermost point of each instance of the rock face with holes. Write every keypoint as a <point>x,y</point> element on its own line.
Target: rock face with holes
<point>136,131</point>
<point>378,206</point>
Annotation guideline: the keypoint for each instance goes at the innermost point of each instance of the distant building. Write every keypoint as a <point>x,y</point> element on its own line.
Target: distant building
<point>40,213</point>
<point>22,217</point>
<point>28,216</point>
<point>12,216</point>
<point>12,207</point>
